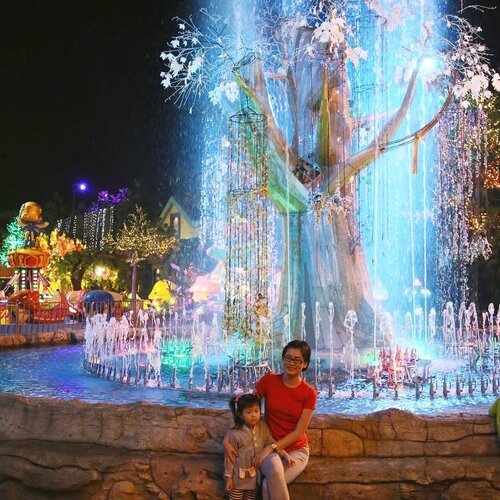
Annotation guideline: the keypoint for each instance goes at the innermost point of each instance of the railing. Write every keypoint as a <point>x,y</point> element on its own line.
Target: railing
<point>47,316</point>
<point>29,317</point>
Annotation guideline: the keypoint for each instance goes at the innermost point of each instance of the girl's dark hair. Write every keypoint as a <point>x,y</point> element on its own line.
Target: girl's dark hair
<point>239,403</point>
<point>304,348</point>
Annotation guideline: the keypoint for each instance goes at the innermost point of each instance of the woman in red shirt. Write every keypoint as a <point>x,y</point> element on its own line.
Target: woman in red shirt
<point>289,403</point>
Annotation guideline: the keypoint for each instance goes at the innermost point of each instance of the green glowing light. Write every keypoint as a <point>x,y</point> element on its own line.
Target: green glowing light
<point>177,352</point>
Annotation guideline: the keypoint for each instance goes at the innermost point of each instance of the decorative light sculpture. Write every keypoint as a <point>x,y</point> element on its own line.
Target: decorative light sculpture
<point>462,154</point>
<point>247,250</point>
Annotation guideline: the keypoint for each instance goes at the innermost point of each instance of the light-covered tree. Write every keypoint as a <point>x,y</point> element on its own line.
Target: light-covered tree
<point>13,240</point>
<point>137,240</point>
<point>69,259</point>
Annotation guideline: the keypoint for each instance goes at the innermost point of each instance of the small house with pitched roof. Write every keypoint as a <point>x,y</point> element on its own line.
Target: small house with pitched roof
<point>174,216</point>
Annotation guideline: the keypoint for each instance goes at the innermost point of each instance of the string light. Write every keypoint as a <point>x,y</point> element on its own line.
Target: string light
<point>462,154</point>
<point>138,239</point>
<point>246,311</point>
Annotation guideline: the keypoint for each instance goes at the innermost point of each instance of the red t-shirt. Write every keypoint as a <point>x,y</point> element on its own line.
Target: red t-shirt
<point>284,406</point>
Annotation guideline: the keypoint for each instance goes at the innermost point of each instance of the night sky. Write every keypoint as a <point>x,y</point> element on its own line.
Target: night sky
<point>81,98</point>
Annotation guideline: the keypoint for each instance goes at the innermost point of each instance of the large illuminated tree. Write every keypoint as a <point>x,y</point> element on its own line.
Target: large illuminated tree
<point>299,64</point>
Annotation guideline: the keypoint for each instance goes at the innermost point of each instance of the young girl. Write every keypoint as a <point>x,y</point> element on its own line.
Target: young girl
<point>290,402</point>
<point>248,436</point>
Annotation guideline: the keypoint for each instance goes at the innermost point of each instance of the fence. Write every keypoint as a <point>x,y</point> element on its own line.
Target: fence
<point>31,317</point>
<point>27,318</point>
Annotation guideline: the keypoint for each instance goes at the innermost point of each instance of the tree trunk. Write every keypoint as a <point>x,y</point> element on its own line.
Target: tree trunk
<point>322,264</point>
<point>77,273</point>
<point>133,288</point>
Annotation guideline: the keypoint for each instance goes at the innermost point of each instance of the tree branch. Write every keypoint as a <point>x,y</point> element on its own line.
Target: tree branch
<point>286,190</point>
<point>360,160</point>
<point>353,168</point>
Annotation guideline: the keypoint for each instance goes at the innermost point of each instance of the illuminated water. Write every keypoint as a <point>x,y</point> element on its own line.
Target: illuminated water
<point>58,372</point>
<point>396,225</point>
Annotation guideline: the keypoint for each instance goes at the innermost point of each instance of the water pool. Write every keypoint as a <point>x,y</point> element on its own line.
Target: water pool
<point>58,372</point>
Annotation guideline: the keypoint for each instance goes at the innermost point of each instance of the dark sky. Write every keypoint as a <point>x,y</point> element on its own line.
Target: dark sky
<point>81,97</point>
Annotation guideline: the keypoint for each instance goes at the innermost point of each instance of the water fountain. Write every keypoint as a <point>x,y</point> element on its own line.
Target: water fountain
<point>321,200</point>
<point>188,354</point>
<point>310,200</point>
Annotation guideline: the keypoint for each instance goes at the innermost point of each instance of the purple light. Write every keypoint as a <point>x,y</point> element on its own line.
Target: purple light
<point>82,186</point>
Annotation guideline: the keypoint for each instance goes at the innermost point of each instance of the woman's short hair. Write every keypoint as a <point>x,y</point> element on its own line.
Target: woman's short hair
<point>304,348</point>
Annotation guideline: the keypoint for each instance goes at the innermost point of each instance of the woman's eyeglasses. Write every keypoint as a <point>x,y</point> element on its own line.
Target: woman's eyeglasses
<point>293,361</point>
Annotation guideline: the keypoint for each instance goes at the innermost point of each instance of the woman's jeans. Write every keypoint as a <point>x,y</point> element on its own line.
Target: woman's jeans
<point>277,475</point>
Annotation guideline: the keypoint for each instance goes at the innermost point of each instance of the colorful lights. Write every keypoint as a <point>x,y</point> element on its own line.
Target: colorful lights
<point>177,352</point>
<point>13,240</point>
<point>246,310</point>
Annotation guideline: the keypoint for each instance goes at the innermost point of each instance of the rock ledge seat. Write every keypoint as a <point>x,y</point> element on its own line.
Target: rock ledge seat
<point>73,449</point>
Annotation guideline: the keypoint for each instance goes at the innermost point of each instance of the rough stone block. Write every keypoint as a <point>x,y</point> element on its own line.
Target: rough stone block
<point>387,448</point>
<point>402,425</point>
<point>314,437</point>
<point>18,340</point>
<point>486,427</point>
<point>183,475</point>
<point>456,468</point>
<point>300,491</point>
<point>42,338</point>
<point>61,337</point>
<point>338,443</point>
<point>63,479</point>
<point>6,340</point>
<point>439,430</point>
<point>128,490</point>
<point>362,425</point>
<point>478,490</point>
<point>413,491</point>
<point>468,446</point>
<point>67,478</point>
<point>363,491</point>
<point>77,336</point>
<point>364,470</point>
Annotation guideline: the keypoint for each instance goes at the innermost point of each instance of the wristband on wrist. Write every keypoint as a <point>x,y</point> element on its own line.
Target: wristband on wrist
<point>274,447</point>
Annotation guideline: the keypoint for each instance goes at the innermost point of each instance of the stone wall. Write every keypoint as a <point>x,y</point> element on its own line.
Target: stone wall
<point>32,339</point>
<point>72,449</point>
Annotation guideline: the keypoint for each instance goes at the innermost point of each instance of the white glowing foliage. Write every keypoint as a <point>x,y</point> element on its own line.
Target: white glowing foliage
<point>479,247</point>
<point>331,31</point>
<point>229,90</point>
<point>355,54</point>
<point>175,67</point>
<point>216,94</point>
<point>468,60</point>
<point>335,33</point>
<point>194,66</point>
<point>194,60</point>
<point>495,81</point>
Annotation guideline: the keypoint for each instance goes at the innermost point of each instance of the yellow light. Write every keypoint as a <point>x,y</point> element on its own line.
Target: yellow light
<point>99,271</point>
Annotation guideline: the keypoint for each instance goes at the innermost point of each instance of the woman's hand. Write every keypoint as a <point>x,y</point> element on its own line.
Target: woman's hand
<point>287,458</point>
<point>261,455</point>
<point>230,454</point>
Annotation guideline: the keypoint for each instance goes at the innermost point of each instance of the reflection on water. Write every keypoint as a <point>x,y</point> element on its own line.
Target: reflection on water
<point>57,372</point>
